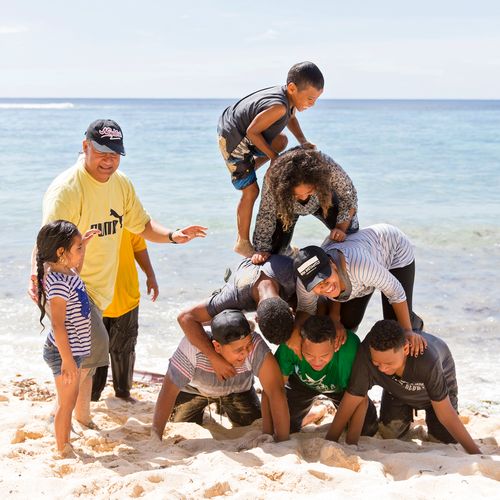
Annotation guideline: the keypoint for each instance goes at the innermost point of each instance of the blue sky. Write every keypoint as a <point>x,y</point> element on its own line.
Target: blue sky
<point>220,48</point>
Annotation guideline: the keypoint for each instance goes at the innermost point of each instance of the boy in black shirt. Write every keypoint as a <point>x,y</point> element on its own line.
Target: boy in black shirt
<point>426,382</point>
<point>250,134</point>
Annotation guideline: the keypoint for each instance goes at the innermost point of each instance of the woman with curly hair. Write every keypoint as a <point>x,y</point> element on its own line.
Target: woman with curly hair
<point>302,182</point>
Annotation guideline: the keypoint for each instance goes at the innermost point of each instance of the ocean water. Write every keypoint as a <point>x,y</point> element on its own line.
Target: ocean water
<point>430,167</point>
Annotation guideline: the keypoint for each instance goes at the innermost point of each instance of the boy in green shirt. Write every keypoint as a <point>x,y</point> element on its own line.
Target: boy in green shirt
<point>321,371</point>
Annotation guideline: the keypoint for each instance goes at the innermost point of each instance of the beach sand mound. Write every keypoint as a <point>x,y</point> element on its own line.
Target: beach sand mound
<point>119,460</point>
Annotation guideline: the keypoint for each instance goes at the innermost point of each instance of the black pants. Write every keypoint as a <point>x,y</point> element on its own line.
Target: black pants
<point>301,398</point>
<point>281,239</point>
<point>396,417</point>
<point>122,333</point>
<point>352,311</point>
<point>242,408</point>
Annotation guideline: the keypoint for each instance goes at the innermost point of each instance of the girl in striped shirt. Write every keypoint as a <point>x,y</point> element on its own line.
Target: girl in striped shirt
<point>59,258</point>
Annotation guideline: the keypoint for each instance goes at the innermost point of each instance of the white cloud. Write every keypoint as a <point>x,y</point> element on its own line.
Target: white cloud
<point>12,30</point>
<point>269,34</point>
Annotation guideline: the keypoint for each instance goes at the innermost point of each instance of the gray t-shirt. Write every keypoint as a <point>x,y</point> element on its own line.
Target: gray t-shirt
<point>429,377</point>
<point>237,293</point>
<point>236,119</point>
<point>190,370</point>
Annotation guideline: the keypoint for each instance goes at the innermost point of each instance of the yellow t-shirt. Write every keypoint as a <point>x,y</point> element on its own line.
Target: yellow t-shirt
<point>127,293</point>
<point>109,206</point>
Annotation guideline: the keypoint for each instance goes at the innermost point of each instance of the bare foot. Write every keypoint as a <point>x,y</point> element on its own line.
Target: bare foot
<point>244,247</point>
<point>90,425</point>
<point>66,452</point>
<point>315,415</point>
<point>128,399</point>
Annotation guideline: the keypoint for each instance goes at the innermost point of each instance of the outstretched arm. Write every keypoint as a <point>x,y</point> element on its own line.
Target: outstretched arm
<point>191,322</point>
<point>157,233</point>
<point>164,406</point>
<point>450,420</point>
<point>346,410</point>
<point>277,410</point>
<point>294,127</point>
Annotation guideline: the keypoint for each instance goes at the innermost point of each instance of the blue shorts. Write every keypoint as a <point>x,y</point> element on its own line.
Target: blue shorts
<point>53,358</point>
<point>241,162</point>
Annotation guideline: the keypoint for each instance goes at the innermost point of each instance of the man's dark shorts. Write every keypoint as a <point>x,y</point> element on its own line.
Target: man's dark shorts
<point>242,408</point>
<point>396,418</point>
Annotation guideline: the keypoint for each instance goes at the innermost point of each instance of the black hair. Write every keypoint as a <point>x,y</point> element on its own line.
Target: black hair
<point>386,334</point>
<point>318,329</point>
<point>295,167</point>
<point>52,236</point>
<point>275,320</point>
<point>305,74</point>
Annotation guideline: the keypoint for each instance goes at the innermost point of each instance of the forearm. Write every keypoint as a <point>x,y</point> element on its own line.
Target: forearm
<point>267,417</point>
<point>356,423</point>
<point>193,329</point>
<point>257,139</point>
<point>294,127</point>
<point>402,314</point>
<point>62,341</point>
<point>280,415</point>
<point>451,421</point>
<point>344,226</point>
<point>155,232</point>
<point>345,411</point>
<point>164,406</point>
<point>142,258</point>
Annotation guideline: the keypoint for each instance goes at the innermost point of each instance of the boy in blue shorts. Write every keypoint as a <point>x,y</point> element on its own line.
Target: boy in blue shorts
<point>250,134</point>
<point>321,371</point>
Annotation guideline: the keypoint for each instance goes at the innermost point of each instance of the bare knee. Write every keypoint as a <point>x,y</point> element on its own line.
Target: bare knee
<point>251,192</point>
<point>279,143</point>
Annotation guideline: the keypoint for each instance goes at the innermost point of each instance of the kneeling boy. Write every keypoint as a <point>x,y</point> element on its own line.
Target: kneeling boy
<point>320,371</point>
<point>426,382</point>
<point>191,382</point>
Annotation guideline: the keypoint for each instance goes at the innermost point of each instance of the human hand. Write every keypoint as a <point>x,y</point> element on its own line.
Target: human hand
<point>33,288</point>
<point>89,235</point>
<point>188,233</point>
<point>260,257</point>
<point>341,336</point>
<point>417,343</point>
<point>222,368</point>
<point>295,342</point>
<point>152,287</point>
<point>69,371</point>
<point>308,145</point>
<point>337,234</point>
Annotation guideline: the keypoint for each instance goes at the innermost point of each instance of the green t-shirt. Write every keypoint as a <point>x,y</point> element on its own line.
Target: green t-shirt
<point>334,377</point>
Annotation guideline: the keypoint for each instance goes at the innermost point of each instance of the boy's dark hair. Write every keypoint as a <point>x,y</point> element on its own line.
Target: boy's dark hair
<point>318,329</point>
<point>304,74</point>
<point>386,334</point>
<point>275,320</point>
<point>51,237</point>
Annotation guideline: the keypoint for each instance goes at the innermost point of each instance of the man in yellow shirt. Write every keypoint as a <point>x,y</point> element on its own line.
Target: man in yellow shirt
<point>93,193</point>
<point>121,316</point>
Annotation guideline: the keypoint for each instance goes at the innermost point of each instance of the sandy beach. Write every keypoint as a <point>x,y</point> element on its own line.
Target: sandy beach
<point>120,461</point>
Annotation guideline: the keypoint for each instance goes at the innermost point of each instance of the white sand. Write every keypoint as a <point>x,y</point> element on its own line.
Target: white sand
<point>120,461</point>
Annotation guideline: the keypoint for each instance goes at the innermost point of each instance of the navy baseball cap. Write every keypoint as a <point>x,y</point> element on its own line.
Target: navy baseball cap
<point>106,136</point>
<point>312,266</point>
<point>230,325</point>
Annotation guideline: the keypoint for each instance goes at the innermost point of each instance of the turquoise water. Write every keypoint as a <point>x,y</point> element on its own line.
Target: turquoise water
<point>430,167</point>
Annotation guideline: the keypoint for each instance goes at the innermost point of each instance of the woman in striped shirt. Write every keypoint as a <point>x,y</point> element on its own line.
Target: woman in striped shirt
<point>379,257</point>
<point>60,252</point>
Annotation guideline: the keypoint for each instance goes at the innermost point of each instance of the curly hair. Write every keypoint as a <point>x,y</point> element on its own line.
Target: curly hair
<point>294,167</point>
<point>386,334</point>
